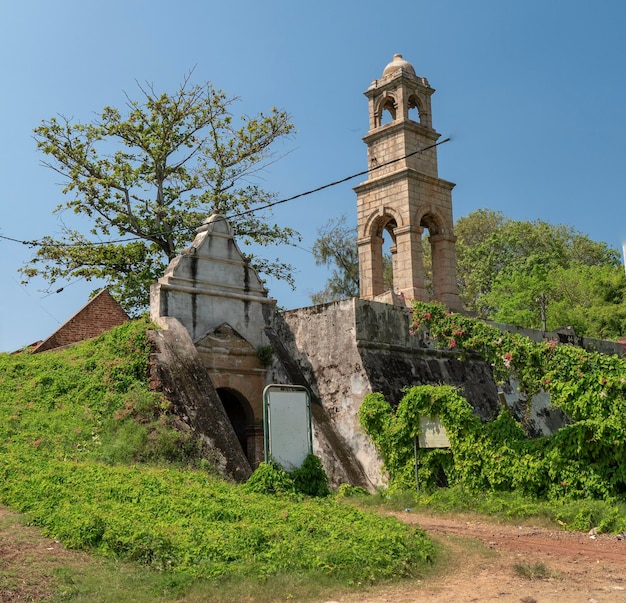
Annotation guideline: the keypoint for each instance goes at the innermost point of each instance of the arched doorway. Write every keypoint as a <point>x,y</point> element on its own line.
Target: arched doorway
<point>239,413</point>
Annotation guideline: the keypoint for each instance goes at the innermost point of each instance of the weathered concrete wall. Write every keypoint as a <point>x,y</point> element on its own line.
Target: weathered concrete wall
<point>322,340</point>
<point>338,456</point>
<point>348,349</point>
<point>394,359</point>
<point>351,348</point>
<point>211,283</point>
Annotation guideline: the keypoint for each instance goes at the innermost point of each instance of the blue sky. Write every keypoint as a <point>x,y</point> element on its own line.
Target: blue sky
<point>532,94</point>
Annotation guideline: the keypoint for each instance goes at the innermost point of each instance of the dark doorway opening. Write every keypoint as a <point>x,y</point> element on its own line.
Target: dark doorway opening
<point>235,408</point>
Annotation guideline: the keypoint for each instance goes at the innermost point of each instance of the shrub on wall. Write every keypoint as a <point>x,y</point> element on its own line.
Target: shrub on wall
<point>584,459</point>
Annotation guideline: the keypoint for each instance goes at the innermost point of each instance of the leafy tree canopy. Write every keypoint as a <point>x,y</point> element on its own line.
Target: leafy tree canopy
<point>147,177</point>
<point>536,274</point>
<point>490,245</point>
<point>336,247</point>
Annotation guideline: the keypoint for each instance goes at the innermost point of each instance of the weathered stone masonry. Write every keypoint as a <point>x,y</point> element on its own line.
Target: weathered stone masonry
<point>404,194</point>
<point>360,347</point>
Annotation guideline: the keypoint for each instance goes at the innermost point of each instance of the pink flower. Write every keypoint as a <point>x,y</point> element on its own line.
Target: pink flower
<point>507,359</point>
<point>452,342</point>
<point>547,381</point>
<point>427,316</point>
<point>37,443</point>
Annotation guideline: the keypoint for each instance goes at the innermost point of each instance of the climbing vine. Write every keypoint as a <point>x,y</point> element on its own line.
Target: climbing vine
<point>584,458</point>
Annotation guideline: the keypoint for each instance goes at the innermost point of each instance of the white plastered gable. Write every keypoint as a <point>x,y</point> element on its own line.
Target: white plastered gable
<point>211,283</point>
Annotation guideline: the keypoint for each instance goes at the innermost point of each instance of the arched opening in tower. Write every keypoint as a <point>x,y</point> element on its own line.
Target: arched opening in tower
<point>414,112</point>
<point>431,252</point>
<point>239,412</point>
<point>389,251</point>
<point>387,112</point>
<point>383,254</point>
<point>428,262</point>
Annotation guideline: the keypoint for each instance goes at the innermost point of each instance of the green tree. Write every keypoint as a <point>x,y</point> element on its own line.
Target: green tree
<point>520,298</point>
<point>471,231</point>
<point>591,299</point>
<point>495,251</point>
<point>146,179</point>
<point>336,247</point>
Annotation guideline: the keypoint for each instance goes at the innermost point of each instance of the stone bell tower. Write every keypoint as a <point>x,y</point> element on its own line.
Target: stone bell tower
<point>403,194</point>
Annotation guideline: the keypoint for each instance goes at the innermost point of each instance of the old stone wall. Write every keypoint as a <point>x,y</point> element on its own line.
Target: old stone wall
<point>351,348</point>
<point>342,457</point>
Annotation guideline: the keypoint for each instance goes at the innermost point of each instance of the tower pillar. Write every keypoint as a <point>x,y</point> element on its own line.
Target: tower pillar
<point>408,275</point>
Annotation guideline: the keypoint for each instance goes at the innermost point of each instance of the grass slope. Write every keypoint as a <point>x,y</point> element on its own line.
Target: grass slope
<point>91,455</point>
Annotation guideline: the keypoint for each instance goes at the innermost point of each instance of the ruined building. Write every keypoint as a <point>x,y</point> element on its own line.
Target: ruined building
<point>219,323</point>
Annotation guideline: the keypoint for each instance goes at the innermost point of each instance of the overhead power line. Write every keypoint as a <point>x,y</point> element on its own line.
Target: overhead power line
<point>38,243</point>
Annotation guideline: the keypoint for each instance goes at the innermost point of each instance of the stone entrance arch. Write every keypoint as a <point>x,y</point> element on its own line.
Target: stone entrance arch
<point>221,301</point>
<point>239,378</point>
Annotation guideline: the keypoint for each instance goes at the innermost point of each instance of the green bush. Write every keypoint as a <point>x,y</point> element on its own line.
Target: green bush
<point>270,478</point>
<point>310,478</point>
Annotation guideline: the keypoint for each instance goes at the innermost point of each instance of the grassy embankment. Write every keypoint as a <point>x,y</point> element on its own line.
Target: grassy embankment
<point>90,455</point>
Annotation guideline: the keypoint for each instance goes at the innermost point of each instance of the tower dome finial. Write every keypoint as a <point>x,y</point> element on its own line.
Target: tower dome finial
<point>396,64</point>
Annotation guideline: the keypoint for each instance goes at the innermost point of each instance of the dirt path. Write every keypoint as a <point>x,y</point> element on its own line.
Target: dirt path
<point>572,567</point>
